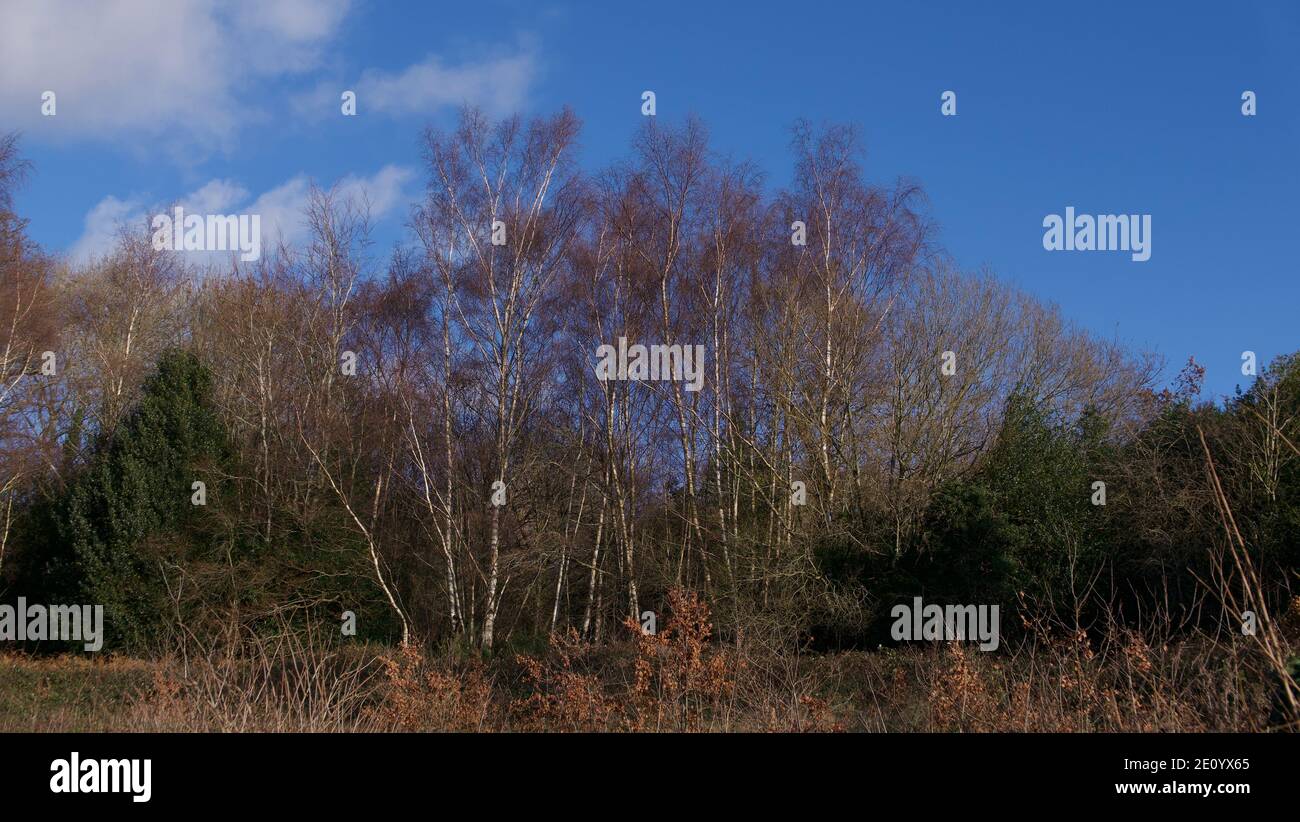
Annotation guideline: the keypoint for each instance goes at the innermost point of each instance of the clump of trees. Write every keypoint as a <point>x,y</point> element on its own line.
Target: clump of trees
<point>421,440</point>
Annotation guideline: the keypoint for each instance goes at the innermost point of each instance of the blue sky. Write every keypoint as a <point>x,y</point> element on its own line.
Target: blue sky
<point>1107,107</point>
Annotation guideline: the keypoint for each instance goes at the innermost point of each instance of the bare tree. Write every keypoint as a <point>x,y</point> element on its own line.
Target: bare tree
<point>503,207</point>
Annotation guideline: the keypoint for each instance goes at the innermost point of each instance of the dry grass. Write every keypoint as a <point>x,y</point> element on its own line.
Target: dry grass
<point>679,680</point>
<point>1071,685</point>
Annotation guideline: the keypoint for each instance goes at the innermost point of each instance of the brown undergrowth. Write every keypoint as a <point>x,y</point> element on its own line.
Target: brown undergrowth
<point>681,679</point>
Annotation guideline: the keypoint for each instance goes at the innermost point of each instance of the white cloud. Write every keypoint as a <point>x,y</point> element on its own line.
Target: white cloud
<point>499,85</point>
<point>215,197</point>
<point>287,34</point>
<point>281,208</point>
<point>181,79</point>
<point>383,192</point>
<point>124,67</point>
<point>102,225</point>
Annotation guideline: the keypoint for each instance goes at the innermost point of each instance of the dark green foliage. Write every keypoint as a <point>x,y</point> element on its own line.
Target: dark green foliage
<point>124,532</point>
<point>1274,512</point>
<point>129,518</point>
<point>966,550</point>
<point>962,555</point>
<point>1041,477</point>
<point>1022,531</point>
<point>1279,716</point>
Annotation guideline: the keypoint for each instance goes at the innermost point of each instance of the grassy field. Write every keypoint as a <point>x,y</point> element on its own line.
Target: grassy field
<point>676,681</point>
<point>70,693</point>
